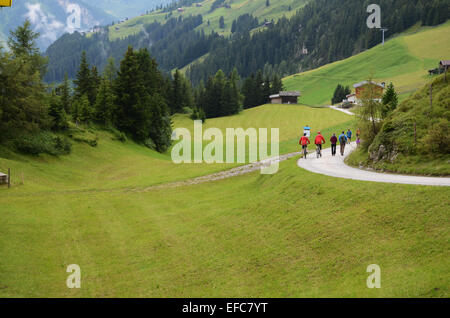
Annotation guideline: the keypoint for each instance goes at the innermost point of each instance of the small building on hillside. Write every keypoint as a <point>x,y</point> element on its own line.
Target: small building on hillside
<point>362,86</point>
<point>285,98</point>
<point>351,98</point>
<point>444,65</point>
<point>3,178</point>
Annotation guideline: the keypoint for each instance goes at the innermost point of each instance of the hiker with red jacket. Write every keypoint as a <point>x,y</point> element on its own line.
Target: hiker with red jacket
<point>333,141</point>
<point>319,141</point>
<point>304,141</point>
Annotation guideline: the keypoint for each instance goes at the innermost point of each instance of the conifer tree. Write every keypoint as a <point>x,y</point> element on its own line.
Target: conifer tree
<point>83,81</point>
<point>389,101</point>
<point>57,113</point>
<point>66,97</point>
<point>104,105</point>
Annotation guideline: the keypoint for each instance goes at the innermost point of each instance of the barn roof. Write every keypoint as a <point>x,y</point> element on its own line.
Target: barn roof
<point>286,94</point>
<point>364,83</point>
<point>2,175</point>
<point>445,62</point>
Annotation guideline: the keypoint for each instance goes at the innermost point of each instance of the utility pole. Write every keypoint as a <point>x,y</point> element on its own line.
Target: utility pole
<point>383,30</point>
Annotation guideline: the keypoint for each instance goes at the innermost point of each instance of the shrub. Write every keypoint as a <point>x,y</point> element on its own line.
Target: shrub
<point>44,142</point>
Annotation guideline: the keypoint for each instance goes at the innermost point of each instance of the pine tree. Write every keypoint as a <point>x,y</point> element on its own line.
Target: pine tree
<point>95,83</point>
<point>129,91</point>
<point>104,105</point>
<point>389,101</point>
<point>57,113</point>
<point>23,107</point>
<point>222,22</point>
<point>277,85</point>
<point>66,98</point>
<point>83,81</point>
<point>110,72</point>
<point>85,111</point>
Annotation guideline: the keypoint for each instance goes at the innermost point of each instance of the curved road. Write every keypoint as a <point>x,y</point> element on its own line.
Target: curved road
<point>336,167</point>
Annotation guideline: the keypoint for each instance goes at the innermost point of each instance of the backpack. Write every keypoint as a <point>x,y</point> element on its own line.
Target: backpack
<point>342,140</point>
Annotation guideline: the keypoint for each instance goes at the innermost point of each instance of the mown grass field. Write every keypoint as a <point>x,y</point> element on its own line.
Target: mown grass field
<point>292,234</point>
<point>113,164</point>
<point>403,60</point>
<point>257,8</point>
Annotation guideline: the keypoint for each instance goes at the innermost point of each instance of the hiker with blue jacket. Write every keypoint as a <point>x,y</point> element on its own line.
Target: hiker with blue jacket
<point>343,141</point>
<point>349,135</point>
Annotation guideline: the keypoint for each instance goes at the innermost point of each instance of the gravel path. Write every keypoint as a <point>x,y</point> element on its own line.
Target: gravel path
<point>336,167</point>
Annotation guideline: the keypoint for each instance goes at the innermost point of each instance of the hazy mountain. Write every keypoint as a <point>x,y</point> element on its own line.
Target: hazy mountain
<point>52,18</point>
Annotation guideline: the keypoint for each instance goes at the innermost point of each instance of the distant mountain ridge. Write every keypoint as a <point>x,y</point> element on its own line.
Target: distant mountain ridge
<point>53,18</point>
<point>203,37</point>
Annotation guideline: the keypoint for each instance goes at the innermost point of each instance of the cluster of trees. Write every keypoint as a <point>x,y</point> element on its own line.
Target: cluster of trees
<point>340,93</point>
<point>132,99</point>
<point>220,96</point>
<point>26,109</point>
<point>257,89</point>
<point>244,23</point>
<point>173,44</point>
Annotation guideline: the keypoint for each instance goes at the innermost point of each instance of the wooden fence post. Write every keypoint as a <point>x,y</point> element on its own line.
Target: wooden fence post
<point>415,133</point>
<point>431,97</point>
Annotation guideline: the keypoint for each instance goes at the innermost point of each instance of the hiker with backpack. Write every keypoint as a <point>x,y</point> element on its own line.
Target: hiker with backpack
<point>349,135</point>
<point>343,141</point>
<point>333,141</point>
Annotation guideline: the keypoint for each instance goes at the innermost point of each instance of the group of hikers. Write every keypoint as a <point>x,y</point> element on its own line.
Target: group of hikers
<point>343,139</point>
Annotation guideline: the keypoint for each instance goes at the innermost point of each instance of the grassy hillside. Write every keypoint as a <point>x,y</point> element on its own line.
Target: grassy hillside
<point>113,164</point>
<point>293,234</point>
<point>415,138</point>
<point>404,60</point>
<point>257,8</point>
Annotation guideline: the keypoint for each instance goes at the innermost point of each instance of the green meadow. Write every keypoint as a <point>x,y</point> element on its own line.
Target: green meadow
<point>257,8</point>
<point>291,234</point>
<point>113,164</point>
<point>403,60</point>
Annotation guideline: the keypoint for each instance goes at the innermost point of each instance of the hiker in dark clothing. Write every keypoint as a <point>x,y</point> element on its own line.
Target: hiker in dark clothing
<point>333,141</point>
<point>343,140</point>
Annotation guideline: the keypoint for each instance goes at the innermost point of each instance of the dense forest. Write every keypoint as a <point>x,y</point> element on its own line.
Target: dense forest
<point>134,99</point>
<point>326,28</point>
<point>36,118</point>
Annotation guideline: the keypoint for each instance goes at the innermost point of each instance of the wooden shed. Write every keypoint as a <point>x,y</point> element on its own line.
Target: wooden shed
<point>444,65</point>
<point>285,98</point>
<point>3,178</point>
<point>360,87</point>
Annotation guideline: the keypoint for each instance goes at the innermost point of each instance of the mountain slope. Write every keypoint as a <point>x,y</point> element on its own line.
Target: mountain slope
<point>404,61</point>
<point>211,16</point>
<point>127,8</point>
<point>50,18</point>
